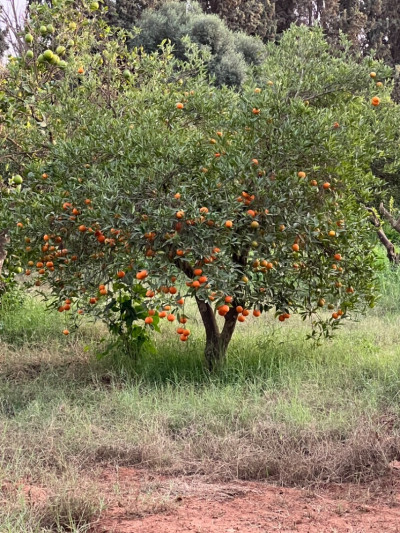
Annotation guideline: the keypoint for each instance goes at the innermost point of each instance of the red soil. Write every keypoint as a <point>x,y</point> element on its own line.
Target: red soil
<point>140,501</point>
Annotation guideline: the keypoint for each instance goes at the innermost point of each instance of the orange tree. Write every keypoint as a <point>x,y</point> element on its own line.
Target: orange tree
<point>131,184</point>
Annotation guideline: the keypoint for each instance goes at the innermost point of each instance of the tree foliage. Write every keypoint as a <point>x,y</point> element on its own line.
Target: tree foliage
<point>130,184</point>
<point>230,53</point>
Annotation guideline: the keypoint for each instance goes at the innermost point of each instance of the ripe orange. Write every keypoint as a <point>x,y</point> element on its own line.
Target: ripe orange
<point>148,320</point>
<point>350,290</point>
<point>66,332</point>
<point>80,70</point>
<point>332,233</point>
<point>183,338</point>
<point>49,264</point>
<point>375,101</point>
<point>245,312</point>
<point>142,274</point>
<point>179,105</point>
<point>180,253</point>
<point>372,74</point>
<point>255,162</point>
<point>173,290</point>
<point>314,183</point>
<point>177,196</point>
<point>301,174</point>
<point>295,247</point>
<point>181,301</point>
<point>150,294</point>
<point>39,264</point>
<point>239,309</point>
<point>45,176</point>
<point>183,320</point>
<point>228,299</point>
<point>163,314</point>
<point>203,279</point>
<point>151,312</point>
<point>204,210</point>
<point>251,213</point>
<point>196,284</point>
<point>335,316</point>
<point>82,228</point>
<point>88,201</point>
<point>281,318</point>
<point>256,312</point>
<point>336,125</point>
<point>223,310</point>
<point>338,257</point>
<point>197,271</point>
<point>171,317</point>
<point>93,301</point>
<point>229,224</point>
<point>180,214</point>
<point>241,318</point>
<point>326,185</point>
<point>256,111</point>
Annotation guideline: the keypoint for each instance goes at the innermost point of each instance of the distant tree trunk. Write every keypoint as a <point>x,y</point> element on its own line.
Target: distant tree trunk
<point>216,342</point>
<point>391,253</point>
<point>4,240</point>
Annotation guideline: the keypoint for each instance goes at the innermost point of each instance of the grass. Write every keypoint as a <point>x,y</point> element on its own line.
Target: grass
<point>280,409</point>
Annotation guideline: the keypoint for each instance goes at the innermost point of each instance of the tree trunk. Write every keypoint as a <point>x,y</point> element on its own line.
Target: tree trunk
<point>216,342</point>
<point>4,240</point>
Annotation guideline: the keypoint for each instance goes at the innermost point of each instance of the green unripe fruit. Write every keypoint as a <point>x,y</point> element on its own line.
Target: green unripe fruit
<point>29,54</point>
<point>51,28</point>
<point>71,42</point>
<point>19,270</point>
<point>60,50</point>
<point>127,74</point>
<point>40,59</point>
<point>17,179</point>
<point>72,26</point>
<point>55,59</point>
<point>94,6</point>
<point>43,30</point>
<point>29,38</point>
<point>48,55</point>
<point>63,64</point>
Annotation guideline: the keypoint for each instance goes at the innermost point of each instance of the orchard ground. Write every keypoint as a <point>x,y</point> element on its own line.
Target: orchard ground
<point>285,437</point>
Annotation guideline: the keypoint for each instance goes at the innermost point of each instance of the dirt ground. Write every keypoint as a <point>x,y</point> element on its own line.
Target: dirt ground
<point>140,501</point>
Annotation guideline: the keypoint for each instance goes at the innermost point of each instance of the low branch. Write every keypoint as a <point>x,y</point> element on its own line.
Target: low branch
<point>390,218</point>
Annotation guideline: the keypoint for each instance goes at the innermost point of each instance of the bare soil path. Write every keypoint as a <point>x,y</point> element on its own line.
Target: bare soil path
<point>141,501</point>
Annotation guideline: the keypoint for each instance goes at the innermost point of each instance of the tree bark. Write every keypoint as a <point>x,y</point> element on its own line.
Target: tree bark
<point>390,249</point>
<point>4,240</point>
<point>216,342</point>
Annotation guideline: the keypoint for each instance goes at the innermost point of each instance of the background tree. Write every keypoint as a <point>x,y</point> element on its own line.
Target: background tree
<point>231,53</point>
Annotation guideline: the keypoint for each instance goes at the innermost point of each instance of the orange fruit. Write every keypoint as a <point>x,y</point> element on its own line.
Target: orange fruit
<point>82,228</point>
<point>142,274</point>
<point>88,201</point>
<point>239,309</point>
<point>301,174</point>
<point>197,271</point>
<point>332,233</point>
<point>245,312</point>
<point>180,214</point>
<point>326,185</point>
<point>295,247</point>
<point>180,331</point>
<point>151,312</point>
<point>177,196</point>
<point>196,284</point>
<point>173,290</point>
<point>281,318</point>
<point>171,317</point>
<point>80,70</point>
<point>255,162</point>
<point>241,318</point>
<point>204,210</point>
<point>256,312</point>
<point>181,301</point>
<point>254,224</point>
<point>66,332</point>
<point>179,105</point>
<point>228,299</point>
<point>338,257</point>
<point>203,279</point>
<point>375,101</point>
<point>372,74</point>
<point>148,320</point>
<point>180,253</point>
<point>335,316</point>
<point>183,338</point>
<point>229,224</point>
<point>223,310</point>
<point>163,314</point>
<point>256,111</point>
